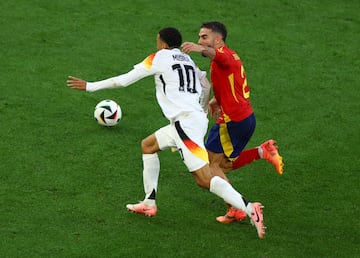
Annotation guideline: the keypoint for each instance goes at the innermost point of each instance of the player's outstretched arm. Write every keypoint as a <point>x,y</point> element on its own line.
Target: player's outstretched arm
<point>188,47</point>
<point>76,83</point>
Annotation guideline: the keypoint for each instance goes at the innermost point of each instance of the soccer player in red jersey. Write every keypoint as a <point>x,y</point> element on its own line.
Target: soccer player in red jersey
<point>231,105</point>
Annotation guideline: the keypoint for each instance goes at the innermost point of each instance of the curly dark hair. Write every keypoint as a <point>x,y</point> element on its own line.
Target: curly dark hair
<point>216,27</point>
<point>171,36</point>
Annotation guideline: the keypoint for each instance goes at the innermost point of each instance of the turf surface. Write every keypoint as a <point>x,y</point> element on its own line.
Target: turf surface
<point>64,180</point>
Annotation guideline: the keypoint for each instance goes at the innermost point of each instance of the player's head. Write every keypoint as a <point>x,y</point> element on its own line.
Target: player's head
<point>169,38</point>
<point>212,34</point>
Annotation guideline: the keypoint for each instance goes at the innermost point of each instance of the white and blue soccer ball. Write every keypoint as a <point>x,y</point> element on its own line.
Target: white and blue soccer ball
<point>107,113</point>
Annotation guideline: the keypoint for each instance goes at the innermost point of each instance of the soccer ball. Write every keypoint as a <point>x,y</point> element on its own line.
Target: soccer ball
<point>107,113</point>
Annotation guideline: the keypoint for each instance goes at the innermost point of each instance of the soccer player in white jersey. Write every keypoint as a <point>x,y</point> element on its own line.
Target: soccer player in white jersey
<point>177,91</point>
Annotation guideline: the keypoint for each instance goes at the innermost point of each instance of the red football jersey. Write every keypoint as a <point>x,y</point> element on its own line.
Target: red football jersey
<point>231,89</point>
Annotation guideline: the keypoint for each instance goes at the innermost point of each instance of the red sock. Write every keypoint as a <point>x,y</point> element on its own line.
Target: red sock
<point>246,157</point>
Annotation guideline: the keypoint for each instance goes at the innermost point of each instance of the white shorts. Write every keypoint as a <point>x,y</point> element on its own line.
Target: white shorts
<point>187,136</point>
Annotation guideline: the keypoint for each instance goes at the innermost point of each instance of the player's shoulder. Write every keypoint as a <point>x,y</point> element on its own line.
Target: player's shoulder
<point>225,50</point>
<point>157,54</point>
<point>167,52</point>
<point>224,55</point>
<point>162,54</point>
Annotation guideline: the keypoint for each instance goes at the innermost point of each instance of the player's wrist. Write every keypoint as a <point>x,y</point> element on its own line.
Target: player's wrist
<point>208,52</point>
<point>203,50</point>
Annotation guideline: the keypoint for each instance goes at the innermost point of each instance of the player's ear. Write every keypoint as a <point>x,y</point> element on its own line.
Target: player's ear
<point>218,38</point>
<point>161,44</point>
<point>166,46</point>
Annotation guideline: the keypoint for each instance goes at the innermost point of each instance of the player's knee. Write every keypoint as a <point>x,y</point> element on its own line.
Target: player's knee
<point>144,146</point>
<point>149,145</point>
<point>202,179</point>
<point>226,165</point>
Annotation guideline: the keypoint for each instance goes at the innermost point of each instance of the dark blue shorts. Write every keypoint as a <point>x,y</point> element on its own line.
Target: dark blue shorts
<point>231,138</point>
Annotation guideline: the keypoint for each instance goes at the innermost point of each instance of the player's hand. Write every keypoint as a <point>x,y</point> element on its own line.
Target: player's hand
<point>76,83</point>
<point>188,47</point>
<point>214,108</point>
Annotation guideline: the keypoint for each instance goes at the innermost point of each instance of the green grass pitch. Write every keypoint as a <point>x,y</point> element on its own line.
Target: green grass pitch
<point>64,180</point>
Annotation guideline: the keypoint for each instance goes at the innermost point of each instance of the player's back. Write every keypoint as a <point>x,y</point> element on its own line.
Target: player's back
<point>177,83</point>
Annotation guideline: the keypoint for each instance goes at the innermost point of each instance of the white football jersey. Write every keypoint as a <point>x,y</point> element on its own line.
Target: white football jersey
<point>177,81</point>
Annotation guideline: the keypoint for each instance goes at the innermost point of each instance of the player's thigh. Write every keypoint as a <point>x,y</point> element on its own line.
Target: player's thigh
<point>192,151</point>
<point>165,137</point>
<point>190,144</point>
<point>219,150</point>
<point>219,164</point>
<point>230,138</point>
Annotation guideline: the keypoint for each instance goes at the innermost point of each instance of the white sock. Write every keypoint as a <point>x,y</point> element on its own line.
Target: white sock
<point>223,189</point>
<point>151,170</point>
<point>260,151</point>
